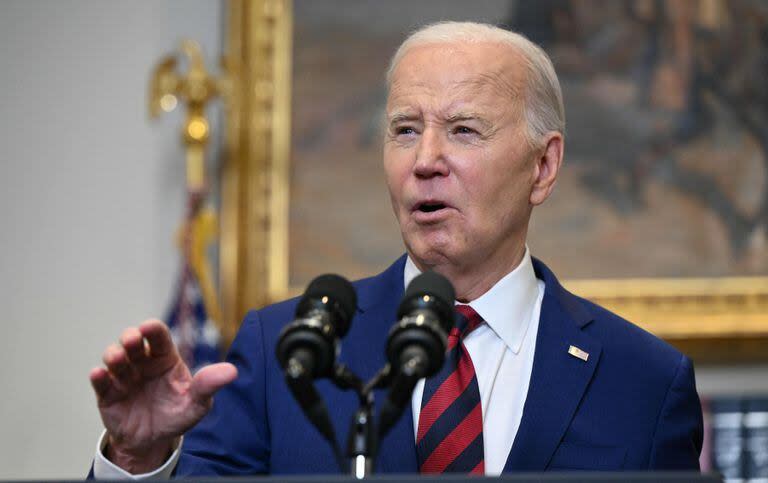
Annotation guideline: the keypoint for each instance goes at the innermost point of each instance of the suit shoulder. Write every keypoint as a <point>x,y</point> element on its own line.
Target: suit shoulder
<point>623,341</point>
<point>624,338</point>
<point>278,310</point>
<point>368,290</point>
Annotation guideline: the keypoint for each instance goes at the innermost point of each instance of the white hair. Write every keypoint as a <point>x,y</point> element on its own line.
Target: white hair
<point>543,108</point>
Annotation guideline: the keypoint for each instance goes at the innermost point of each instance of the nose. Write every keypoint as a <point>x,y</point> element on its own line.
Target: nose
<point>430,155</point>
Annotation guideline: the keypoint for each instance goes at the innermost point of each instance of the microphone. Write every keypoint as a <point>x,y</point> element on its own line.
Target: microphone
<point>323,316</point>
<point>307,347</point>
<point>417,342</point>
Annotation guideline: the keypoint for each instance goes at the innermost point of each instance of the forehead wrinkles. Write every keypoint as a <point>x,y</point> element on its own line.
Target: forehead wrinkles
<point>508,92</point>
<point>470,85</point>
<point>498,80</point>
<point>403,91</point>
<point>408,100</point>
<point>463,100</point>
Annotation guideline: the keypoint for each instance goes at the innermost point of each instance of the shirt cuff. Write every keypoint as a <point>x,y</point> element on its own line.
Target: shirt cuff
<point>103,469</point>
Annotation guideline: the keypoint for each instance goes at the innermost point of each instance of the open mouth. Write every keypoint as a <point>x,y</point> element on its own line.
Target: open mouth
<point>430,207</point>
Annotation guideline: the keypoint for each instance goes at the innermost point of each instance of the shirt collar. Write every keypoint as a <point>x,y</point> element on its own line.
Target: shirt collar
<point>507,306</point>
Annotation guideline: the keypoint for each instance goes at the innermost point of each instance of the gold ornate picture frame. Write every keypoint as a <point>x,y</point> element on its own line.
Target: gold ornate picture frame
<point>720,319</point>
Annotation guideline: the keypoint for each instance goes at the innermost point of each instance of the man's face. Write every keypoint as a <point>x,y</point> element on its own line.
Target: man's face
<point>459,169</point>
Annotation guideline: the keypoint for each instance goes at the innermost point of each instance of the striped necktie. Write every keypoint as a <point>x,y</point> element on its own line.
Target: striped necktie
<point>450,436</point>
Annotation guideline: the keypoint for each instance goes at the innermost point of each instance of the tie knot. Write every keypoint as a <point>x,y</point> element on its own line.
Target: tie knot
<point>467,320</point>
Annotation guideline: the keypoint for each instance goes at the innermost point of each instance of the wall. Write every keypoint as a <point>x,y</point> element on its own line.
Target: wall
<point>91,193</point>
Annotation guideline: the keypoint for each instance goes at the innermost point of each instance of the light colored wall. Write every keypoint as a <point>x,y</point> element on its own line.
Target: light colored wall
<point>90,195</point>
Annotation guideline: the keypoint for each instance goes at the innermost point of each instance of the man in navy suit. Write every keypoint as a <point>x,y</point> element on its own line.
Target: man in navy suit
<point>474,140</point>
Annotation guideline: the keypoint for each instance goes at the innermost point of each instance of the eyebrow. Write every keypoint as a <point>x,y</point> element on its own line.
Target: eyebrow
<point>402,116</point>
<point>461,116</point>
<point>468,116</point>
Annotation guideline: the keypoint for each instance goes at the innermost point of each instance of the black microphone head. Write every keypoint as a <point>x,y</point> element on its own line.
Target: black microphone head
<point>335,294</point>
<point>440,296</point>
<point>434,284</point>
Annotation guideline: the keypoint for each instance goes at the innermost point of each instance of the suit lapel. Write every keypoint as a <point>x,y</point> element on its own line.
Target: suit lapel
<point>558,379</point>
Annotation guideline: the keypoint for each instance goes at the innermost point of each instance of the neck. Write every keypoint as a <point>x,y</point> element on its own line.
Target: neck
<point>473,280</point>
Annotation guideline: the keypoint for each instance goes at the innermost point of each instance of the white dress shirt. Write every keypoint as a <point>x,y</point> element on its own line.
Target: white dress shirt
<point>103,469</point>
<point>501,350</point>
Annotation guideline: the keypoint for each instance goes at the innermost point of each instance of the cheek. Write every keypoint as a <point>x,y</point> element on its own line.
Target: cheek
<point>396,173</point>
<point>395,189</point>
<point>492,199</point>
<point>392,181</point>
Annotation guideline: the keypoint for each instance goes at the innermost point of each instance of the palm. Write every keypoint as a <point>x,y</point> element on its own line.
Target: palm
<point>158,407</point>
<point>146,395</point>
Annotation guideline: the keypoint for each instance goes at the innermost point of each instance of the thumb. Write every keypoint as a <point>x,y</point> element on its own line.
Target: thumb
<point>211,378</point>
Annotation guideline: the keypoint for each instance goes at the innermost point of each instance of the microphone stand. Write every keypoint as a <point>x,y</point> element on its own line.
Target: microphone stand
<point>361,444</point>
<point>361,441</point>
<point>364,436</point>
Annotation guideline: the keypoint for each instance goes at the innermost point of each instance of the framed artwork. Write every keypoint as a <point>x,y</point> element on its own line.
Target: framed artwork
<point>661,210</point>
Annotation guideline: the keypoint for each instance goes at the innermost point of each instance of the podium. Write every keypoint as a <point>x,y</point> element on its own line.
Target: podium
<point>569,477</point>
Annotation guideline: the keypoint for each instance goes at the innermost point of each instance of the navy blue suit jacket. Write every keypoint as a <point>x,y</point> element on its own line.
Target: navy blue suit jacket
<point>631,406</point>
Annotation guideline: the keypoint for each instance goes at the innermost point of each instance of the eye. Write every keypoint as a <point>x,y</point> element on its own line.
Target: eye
<point>404,130</point>
<point>463,130</point>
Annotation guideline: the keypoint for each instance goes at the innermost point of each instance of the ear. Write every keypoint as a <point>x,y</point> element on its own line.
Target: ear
<point>548,161</point>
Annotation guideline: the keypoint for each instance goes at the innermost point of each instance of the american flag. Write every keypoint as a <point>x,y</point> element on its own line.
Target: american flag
<point>195,334</point>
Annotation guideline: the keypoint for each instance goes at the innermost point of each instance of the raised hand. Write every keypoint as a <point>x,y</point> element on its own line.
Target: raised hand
<point>147,396</point>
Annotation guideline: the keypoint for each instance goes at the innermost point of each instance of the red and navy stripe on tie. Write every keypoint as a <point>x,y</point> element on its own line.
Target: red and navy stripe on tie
<point>450,435</point>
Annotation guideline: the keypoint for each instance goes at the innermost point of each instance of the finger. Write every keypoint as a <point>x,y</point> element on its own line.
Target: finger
<point>104,386</point>
<point>133,343</point>
<point>158,337</point>
<point>100,382</point>
<point>116,360</point>
<point>211,378</point>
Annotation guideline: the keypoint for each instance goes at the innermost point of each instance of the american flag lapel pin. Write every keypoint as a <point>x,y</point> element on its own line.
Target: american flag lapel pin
<point>578,353</point>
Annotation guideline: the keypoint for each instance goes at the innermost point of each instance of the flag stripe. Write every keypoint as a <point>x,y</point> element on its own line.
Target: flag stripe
<point>195,336</point>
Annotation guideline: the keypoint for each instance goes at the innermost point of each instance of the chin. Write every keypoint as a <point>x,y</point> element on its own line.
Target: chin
<point>429,255</point>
